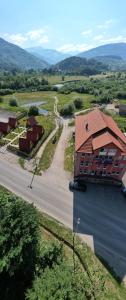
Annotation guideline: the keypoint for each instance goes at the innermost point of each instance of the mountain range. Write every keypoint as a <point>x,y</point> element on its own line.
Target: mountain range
<point>38,58</point>
<point>12,56</point>
<point>50,55</point>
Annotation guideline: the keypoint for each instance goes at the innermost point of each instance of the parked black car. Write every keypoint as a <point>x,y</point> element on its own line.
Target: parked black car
<point>77,185</point>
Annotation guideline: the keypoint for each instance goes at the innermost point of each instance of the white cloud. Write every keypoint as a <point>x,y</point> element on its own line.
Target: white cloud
<point>86,32</point>
<point>17,39</point>
<point>74,47</point>
<point>106,24</point>
<point>116,39</point>
<point>34,37</point>
<point>38,35</point>
<point>98,37</point>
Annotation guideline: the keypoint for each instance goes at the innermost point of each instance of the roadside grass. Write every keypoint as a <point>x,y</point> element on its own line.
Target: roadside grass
<point>103,284</point>
<point>21,161</point>
<point>67,99</point>
<point>48,153</point>
<point>99,283</point>
<point>71,123</point>
<point>69,154</point>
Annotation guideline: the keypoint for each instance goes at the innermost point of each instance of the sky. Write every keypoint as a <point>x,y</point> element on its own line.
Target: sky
<point>67,25</point>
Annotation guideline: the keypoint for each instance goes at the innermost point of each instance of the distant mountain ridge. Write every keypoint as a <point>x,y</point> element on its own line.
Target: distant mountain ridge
<point>116,49</point>
<point>12,56</point>
<point>81,66</point>
<point>50,55</point>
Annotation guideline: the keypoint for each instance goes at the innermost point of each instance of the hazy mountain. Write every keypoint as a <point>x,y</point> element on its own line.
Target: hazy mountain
<point>116,49</point>
<point>115,63</point>
<point>12,56</point>
<point>50,55</point>
<point>78,65</point>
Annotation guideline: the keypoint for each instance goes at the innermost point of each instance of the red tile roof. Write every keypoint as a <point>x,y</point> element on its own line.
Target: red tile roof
<point>87,126</point>
<point>105,139</point>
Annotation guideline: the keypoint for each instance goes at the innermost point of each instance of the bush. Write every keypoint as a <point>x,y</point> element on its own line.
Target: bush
<point>13,102</point>
<point>67,110</point>
<point>33,111</point>
<point>78,102</point>
<point>1,99</point>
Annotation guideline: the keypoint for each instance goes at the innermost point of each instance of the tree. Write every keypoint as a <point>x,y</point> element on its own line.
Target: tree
<point>18,245</point>
<point>13,102</point>
<point>33,111</point>
<point>78,102</point>
<point>67,110</point>
<point>59,283</point>
<point>1,99</point>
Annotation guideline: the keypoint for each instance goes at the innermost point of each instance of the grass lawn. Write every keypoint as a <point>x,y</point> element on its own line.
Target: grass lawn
<point>28,97</point>
<point>49,151</point>
<point>66,99</point>
<point>69,153</point>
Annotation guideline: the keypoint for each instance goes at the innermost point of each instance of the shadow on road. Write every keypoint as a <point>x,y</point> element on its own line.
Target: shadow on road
<point>102,213</point>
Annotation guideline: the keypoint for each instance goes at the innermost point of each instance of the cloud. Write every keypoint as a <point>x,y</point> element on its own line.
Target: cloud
<point>38,35</point>
<point>74,48</point>
<point>87,32</point>
<point>35,37</point>
<point>98,37</point>
<point>116,39</point>
<point>106,24</point>
<point>17,39</point>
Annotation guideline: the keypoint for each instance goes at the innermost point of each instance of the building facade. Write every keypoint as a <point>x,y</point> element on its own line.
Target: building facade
<point>100,148</point>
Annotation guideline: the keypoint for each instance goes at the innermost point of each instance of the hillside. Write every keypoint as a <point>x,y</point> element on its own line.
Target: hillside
<point>12,56</point>
<point>80,66</point>
<point>117,49</point>
<point>115,63</point>
<point>50,55</point>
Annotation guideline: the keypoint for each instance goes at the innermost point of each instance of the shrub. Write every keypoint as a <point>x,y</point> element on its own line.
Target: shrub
<point>78,102</point>
<point>1,99</point>
<point>33,111</point>
<point>67,110</point>
<point>13,102</point>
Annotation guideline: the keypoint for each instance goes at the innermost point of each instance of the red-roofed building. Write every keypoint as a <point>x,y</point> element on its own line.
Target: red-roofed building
<point>13,122</point>
<point>31,121</point>
<point>4,127</point>
<point>100,148</point>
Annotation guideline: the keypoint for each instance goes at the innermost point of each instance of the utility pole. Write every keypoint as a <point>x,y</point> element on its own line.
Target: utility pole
<point>34,172</point>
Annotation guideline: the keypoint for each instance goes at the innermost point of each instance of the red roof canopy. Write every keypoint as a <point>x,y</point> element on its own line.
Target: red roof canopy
<point>99,128</point>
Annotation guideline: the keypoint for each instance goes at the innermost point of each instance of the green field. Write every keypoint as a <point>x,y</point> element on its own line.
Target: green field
<point>66,99</point>
<point>28,97</point>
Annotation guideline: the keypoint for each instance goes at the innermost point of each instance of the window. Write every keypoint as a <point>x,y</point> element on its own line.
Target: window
<point>113,173</point>
<point>112,152</point>
<point>104,167</point>
<point>85,172</point>
<point>102,150</point>
<point>92,172</point>
<point>117,173</point>
<point>96,157</point>
<point>124,157</point>
<point>121,165</point>
<point>86,164</point>
<point>81,164</point>
<point>80,171</point>
<point>83,154</point>
<point>109,157</point>
<point>116,164</point>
